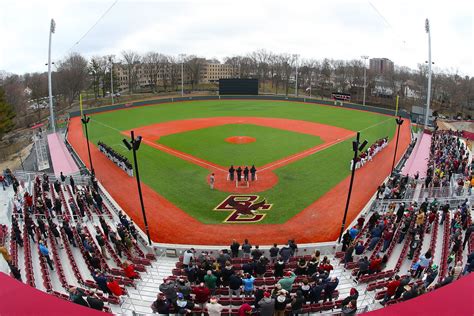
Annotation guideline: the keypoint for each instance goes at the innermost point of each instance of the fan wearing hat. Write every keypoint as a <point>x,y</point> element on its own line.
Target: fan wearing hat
<point>287,281</point>
<point>267,305</point>
<point>183,306</point>
<point>213,307</point>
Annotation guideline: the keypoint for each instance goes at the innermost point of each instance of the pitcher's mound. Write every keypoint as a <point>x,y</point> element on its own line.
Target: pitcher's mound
<point>240,139</point>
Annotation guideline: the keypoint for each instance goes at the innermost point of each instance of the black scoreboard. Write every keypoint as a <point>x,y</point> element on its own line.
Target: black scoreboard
<point>238,86</point>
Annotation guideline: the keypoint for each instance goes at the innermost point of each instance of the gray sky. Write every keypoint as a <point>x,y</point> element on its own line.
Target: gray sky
<point>218,28</point>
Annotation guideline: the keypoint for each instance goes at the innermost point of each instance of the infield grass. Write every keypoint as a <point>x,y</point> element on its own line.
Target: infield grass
<point>271,144</point>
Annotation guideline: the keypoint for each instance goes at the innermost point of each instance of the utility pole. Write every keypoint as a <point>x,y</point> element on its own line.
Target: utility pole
<point>50,86</point>
<point>428,95</point>
<point>111,78</point>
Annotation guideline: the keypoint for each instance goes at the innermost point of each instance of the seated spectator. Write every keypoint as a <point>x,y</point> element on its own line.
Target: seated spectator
<point>350,309</point>
<point>359,249</point>
<point>297,303</point>
<point>353,295</point>
<point>279,268</point>
<point>129,270</point>
<point>431,274</point>
<point>374,265</point>
<point>301,267</point>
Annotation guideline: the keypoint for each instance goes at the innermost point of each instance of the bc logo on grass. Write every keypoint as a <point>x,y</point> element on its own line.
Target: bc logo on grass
<point>244,208</point>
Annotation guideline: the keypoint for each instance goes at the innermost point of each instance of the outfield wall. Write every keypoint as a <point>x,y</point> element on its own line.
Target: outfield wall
<point>347,105</point>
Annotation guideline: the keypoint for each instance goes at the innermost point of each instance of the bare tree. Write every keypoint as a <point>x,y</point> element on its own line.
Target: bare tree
<point>153,63</point>
<point>194,66</point>
<point>72,76</point>
<point>132,59</point>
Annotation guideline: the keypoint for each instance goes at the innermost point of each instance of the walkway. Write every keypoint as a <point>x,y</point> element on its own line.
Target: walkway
<point>60,156</point>
<point>418,159</point>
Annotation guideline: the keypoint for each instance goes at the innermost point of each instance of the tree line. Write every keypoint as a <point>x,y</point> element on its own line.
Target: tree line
<point>276,72</point>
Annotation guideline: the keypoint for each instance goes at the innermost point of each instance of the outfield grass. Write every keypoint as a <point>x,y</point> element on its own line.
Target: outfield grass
<point>183,183</point>
<point>271,144</point>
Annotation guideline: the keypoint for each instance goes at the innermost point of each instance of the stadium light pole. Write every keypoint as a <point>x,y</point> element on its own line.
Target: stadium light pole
<point>50,86</point>
<point>365,57</point>
<point>111,78</point>
<point>356,147</point>
<point>399,122</point>
<point>133,145</point>
<point>182,73</point>
<point>85,120</point>
<point>296,76</point>
<point>428,95</point>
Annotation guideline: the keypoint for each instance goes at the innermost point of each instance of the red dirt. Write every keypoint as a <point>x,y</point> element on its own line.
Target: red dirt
<point>240,139</point>
<point>319,222</point>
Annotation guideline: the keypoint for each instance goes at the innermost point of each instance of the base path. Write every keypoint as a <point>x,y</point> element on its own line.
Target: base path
<point>319,222</point>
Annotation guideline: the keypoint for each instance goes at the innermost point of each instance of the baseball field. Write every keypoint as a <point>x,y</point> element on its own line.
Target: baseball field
<point>302,153</point>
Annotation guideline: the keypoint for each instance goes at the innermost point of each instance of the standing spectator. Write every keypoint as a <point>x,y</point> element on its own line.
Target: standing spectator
<point>188,257</point>
<point>274,253</point>
<point>279,267</point>
<point>73,186</point>
<point>287,281</point>
<point>392,287</point>
<point>45,253</point>
<point>431,275</point>
<point>248,285</point>
<point>235,282</point>
<point>234,248</point>
<point>210,280</point>
<point>168,288</point>
<point>297,303</point>
<point>281,301</point>
<point>363,267</point>
<point>267,305</point>
<point>329,288</point>
<point>213,307</point>
<point>161,305</point>
<point>101,242</point>
<point>101,281</point>
<point>202,294</point>
<point>246,247</point>
<point>387,238</point>
<point>245,310</point>
<point>424,261</point>
<point>285,253</point>
<point>256,253</point>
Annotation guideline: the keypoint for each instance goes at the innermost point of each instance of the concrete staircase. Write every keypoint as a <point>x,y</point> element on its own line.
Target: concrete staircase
<point>139,299</point>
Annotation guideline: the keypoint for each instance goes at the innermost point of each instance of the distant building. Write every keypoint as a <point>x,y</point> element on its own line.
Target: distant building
<point>381,65</point>
<point>210,72</point>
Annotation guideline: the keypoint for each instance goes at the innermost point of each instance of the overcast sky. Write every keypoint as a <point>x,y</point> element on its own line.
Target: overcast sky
<point>218,28</point>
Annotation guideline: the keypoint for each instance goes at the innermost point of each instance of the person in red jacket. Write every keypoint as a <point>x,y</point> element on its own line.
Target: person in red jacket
<point>202,294</point>
<point>245,310</point>
<point>392,287</point>
<point>129,270</point>
<point>374,265</point>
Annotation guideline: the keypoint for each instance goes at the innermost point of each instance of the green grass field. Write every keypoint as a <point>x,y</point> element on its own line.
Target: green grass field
<point>271,144</point>
<point>183,183</point>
